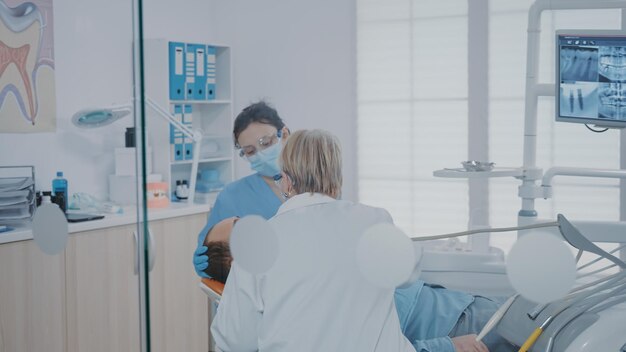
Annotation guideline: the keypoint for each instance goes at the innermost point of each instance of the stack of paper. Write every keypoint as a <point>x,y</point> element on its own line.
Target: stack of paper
<point>17,199</point>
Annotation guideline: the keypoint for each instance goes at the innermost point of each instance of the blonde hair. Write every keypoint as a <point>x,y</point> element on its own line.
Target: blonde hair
<point>312,159</point>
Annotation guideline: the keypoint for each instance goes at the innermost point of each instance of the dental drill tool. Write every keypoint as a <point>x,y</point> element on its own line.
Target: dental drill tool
<point>496,317</point>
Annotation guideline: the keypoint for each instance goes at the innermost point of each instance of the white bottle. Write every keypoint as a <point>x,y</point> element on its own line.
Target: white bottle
<point>182,190</point>
<point>46,198</point>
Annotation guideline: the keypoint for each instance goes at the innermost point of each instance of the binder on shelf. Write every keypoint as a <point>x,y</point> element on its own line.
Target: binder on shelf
<point>211,60</point>
<point>176,136</point>
<point>178,150</point>
<point>176,70</point>
<point>199,91</point>
<point>190,72</point>
<point>177,111</point>
<point>188,122</point>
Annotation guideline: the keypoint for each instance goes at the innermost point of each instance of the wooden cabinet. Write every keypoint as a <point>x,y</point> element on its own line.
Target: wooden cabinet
<point>102,291</point>
<point>178,308</point>
<point>87,298</point>
<point>32,299</point>
<point>103,295</point>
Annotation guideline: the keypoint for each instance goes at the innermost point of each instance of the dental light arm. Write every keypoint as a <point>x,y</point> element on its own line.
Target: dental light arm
<point>577,171</point>
<point>194,135</point>
<point>99,117</point>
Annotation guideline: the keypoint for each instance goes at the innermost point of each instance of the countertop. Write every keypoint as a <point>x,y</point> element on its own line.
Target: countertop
<point>24,232</point>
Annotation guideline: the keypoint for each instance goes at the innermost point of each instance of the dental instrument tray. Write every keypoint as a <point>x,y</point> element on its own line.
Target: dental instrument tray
<point>473,165</point>
<point>17,194</point>
<point>478,169</point>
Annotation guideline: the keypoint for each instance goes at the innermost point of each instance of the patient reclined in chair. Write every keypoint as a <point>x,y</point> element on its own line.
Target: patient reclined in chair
<point>220,259</point>
<point>218,249</point>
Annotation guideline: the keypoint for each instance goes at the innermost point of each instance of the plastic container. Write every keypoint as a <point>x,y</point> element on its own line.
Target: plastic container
<point>46,197</point>
<point>126,161</point>
<point>123,189</point>
<point>59,188</point>
<point>157,195</point>
<point>182,189</point>
<point>129,137</point>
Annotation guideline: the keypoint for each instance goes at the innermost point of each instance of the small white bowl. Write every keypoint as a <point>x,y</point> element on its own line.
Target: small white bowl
<point>473,165</point>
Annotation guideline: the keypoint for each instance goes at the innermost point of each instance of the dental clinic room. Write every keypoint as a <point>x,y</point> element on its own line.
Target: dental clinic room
<point>295,176</point>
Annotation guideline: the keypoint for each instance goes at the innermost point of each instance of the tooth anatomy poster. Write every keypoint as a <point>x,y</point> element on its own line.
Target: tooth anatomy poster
<point>27,93</point>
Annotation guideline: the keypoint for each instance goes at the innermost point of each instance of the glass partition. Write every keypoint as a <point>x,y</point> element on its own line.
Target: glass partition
<point>71,232</point>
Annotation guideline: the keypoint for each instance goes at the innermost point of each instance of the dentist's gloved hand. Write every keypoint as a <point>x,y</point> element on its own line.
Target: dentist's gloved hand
<point>201,261</point>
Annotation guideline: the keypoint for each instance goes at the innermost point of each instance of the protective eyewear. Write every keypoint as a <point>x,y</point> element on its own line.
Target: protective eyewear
<point>263,143</point>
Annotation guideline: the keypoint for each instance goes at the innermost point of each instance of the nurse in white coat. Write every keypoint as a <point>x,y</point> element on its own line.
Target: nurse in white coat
<point>314,298</point>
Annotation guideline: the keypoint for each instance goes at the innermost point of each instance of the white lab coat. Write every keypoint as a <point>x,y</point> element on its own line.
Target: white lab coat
<point>314,298</point>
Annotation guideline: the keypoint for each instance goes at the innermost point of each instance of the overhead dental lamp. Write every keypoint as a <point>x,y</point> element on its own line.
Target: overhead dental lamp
<point>99,117</point>
<point>94,118</point>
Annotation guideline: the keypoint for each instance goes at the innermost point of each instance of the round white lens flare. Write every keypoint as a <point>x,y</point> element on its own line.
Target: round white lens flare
<point>541,267</point>
<point>417,268</point>
<point>254,244</point>
<point>387,257</point>
<point>50,229</point>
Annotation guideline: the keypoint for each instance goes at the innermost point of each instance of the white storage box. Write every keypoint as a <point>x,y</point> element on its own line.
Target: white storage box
<point>125,161</point>
<point>123,189</point>
<point>205,198</point>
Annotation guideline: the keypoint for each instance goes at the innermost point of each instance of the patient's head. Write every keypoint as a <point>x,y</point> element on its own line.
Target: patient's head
<point>217,242</point>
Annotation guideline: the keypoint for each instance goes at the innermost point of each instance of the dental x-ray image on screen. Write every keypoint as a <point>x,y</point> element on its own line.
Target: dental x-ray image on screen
<point>591,77</point>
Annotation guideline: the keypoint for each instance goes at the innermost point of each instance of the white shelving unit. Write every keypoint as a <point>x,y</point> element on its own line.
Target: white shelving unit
<point>213,117</point>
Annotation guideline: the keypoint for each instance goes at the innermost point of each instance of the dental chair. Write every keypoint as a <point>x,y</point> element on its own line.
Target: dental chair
<point>577,329</point>
<point>213,290</point>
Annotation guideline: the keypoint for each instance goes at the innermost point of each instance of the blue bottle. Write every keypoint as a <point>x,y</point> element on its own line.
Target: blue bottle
<point>59,187</point>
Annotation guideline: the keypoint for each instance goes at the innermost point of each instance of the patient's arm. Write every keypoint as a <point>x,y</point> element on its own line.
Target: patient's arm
<point>464,343</point>
<point>468,343</point>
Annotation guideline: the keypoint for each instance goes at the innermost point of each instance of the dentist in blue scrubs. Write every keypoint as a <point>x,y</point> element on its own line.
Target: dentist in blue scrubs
<point>431,317</point>
<point>259,134</point>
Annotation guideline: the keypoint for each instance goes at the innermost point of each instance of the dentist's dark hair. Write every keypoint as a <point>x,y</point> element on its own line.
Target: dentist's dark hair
<point>260,112</point>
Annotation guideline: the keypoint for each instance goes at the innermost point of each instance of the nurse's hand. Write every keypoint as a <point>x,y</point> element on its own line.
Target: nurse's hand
<point>468,343</point>
<point>201,261</point>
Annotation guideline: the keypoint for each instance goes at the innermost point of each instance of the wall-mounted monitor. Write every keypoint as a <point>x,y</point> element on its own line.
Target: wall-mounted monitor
<point>591,77</point>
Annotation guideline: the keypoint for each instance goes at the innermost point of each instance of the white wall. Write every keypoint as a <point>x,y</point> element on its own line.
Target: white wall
<point>188,21</point>
<point>93,54</point>
<point>300,56</point>
<point>93,68</point>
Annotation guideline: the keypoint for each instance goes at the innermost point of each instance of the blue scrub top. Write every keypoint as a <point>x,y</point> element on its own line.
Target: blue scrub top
<point>250,195</point>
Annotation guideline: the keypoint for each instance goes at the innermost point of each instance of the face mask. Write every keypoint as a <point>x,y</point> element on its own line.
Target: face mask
<point>265,161</point>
